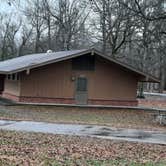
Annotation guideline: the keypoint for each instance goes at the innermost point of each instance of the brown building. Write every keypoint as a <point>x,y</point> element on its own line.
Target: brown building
<point>70,77</point>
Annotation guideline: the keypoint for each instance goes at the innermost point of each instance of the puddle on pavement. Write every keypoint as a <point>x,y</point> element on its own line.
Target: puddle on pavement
<point>89,127</point>
<point>106,129</point>
<point>131,136</point>
<point>124,134</point>
<point>83,130</point>
<point>102,133</point>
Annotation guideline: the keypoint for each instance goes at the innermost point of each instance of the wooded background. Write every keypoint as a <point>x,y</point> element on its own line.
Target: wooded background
<point>132,31</point>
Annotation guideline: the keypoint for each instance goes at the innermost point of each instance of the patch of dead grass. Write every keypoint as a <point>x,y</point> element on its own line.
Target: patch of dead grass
<point>120,118</point>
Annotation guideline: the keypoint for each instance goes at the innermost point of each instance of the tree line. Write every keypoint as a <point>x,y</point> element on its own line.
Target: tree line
<point>132,31</point>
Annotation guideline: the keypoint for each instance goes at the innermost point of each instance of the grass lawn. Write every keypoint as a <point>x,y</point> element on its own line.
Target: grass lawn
<point>111,117</point>
<point>36,149</point>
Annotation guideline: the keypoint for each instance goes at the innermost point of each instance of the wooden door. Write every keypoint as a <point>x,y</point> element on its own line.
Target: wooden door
<point>81,95</point>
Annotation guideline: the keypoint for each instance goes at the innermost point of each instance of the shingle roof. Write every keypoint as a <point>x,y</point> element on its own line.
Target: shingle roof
<point>33,60</point>
<point>36,60</point>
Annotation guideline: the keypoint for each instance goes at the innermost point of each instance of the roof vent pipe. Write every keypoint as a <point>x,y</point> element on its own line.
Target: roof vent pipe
<point>49,51</point>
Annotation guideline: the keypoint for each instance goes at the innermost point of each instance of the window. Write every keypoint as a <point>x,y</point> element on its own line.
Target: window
<point>13,77</point>
<point>81,84</point>
<point>9,76</point>
<point>85,62</point>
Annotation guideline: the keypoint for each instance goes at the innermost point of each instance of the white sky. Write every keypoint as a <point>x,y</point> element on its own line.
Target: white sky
<point>5,7</point>
<point>14,9</point>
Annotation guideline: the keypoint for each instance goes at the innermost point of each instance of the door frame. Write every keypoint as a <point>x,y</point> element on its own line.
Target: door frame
<point>75,89</point>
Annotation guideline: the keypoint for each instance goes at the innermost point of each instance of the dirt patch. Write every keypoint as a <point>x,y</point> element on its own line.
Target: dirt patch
<point>155,101</point>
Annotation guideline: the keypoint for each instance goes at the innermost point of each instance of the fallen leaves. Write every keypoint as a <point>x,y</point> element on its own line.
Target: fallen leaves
<point>35,149</point>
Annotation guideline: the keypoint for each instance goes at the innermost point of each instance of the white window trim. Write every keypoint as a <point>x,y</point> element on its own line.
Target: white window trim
<point>10,77</point>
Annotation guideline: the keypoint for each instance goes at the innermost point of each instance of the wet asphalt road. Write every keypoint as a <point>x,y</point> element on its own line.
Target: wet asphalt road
<point>103,132</point>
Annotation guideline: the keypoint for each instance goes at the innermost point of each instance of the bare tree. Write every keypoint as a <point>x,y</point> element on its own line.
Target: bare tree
<point>34,14</point>
<point>69,17</point>
<point>25,36</point>
<point>8,33</point>
<point>149,10</point>
<point>116,24</point>
<point>48,21</point>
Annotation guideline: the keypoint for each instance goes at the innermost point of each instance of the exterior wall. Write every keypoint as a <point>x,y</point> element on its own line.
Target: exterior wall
<point>72,101</point>
<point>11,89</point>
<point>109,82</point>
<point>113,102</point>
<point>52,81</point>
<point>11,97</point>
<point>107,85</point>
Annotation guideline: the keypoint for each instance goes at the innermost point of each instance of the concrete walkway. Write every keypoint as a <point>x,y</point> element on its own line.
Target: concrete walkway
<point>86,130</point>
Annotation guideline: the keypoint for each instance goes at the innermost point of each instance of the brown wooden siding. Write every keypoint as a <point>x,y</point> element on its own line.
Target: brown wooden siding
<point>107,82</point>
<point>12,87</point>
<point>49,81</point>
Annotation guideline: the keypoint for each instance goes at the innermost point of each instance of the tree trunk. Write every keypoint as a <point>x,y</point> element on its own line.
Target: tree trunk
<point>104,27</point>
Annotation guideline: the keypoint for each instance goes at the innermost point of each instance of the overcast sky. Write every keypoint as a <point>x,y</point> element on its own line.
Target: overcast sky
<point>13,8</point>
<point>4,7</point>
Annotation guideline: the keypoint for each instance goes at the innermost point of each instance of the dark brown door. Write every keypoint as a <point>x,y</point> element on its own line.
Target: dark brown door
<point>2,80</point>
<point>81,95</point>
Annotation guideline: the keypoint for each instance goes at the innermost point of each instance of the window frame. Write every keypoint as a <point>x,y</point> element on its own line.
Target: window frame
<point>13,77</point>
<point>79,87</point>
